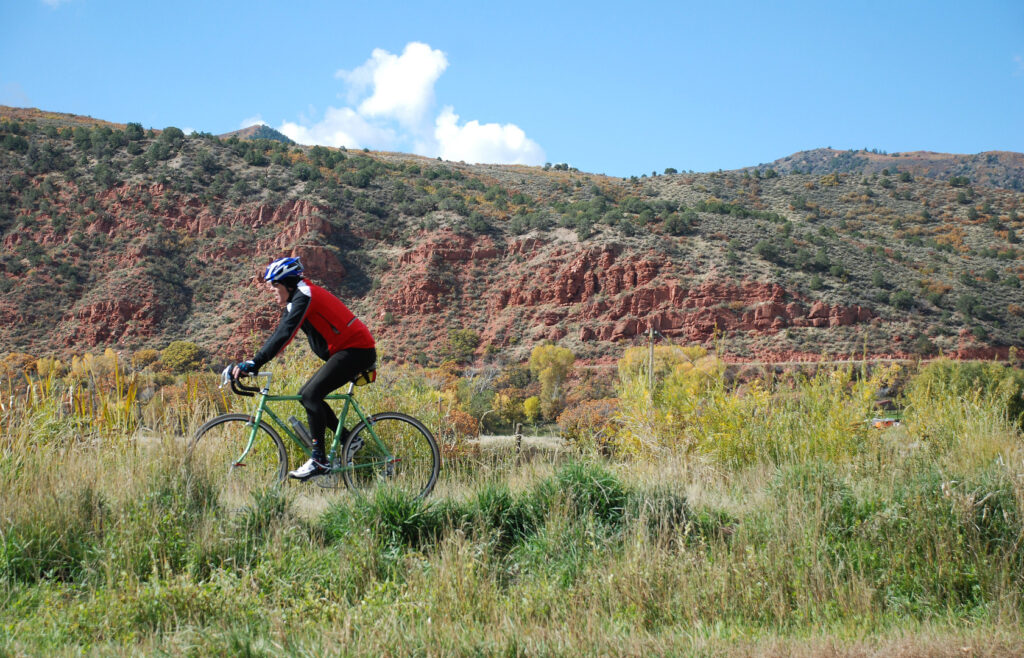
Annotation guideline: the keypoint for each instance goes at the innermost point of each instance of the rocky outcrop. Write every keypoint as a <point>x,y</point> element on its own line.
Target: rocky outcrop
<point>112,321</point>
<point>544,291</point>
<point>697,316</point>
<point>319,259</point>
<point>449,247</point>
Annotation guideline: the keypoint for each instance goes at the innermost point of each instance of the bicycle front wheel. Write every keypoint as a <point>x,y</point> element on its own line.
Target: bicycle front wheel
<point>394,450</point>
<point>219,450</point>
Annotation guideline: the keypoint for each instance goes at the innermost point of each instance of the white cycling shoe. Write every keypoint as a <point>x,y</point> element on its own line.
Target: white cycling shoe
<point>310,469</point>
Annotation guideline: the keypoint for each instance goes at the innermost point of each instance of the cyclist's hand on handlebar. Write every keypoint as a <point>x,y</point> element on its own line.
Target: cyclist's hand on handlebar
<point>243,369</point>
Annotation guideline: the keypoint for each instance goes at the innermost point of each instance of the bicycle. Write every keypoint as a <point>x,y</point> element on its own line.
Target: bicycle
<point>387,448</point>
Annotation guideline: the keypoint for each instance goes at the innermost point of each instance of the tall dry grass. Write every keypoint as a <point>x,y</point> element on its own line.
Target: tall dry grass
<point>772,520</point>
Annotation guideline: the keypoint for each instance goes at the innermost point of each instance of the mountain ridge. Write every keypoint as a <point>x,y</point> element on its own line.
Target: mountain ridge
<point>995,168</point>
<point>128,238</point>
<point>258,131</point>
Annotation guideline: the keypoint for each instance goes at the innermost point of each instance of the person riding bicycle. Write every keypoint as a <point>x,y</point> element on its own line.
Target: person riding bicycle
<point>335,335</point>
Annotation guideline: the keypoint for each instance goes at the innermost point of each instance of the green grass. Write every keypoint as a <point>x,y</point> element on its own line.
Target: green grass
<point>905,540</point>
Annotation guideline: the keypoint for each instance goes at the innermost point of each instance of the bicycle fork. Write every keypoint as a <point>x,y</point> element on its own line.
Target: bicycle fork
<point>254,425</point>
<point>248,446</point>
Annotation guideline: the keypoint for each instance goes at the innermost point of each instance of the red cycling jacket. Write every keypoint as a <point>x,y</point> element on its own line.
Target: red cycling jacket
<point>328,324</point>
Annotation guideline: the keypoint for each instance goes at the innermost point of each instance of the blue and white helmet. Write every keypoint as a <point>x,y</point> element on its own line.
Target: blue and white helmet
<point>281,268</point>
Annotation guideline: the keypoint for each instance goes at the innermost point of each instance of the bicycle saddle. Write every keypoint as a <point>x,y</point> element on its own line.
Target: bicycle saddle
<point>365,377</point>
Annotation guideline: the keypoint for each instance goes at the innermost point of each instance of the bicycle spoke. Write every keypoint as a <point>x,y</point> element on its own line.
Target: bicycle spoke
<point>402,454</point>
<point>219,451</point>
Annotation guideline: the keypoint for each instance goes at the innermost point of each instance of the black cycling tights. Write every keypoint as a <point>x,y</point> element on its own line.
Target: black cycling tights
<point>339,370</point>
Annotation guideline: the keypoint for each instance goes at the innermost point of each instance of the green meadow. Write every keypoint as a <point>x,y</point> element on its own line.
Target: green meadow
<point>710,516</point>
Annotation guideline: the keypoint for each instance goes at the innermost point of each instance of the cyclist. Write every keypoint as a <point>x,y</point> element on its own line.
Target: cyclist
<point>335,335</point>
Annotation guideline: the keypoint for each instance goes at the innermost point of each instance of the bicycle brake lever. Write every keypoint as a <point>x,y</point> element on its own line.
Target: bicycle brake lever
<point>225,377</point>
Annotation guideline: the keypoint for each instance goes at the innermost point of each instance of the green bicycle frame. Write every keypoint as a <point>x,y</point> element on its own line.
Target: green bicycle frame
<point>350,403</point>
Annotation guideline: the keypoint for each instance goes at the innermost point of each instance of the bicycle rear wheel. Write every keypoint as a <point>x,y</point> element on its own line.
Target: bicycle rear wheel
<point>218,449</point>
<point>399,452</point>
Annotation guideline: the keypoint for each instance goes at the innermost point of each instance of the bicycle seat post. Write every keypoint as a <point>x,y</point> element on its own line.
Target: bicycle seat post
<point>351,387</point>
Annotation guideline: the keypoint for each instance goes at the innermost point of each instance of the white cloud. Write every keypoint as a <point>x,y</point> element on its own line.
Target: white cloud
<point>390,99</point>
<point>1019,61</point>
<point>256,120</point>
<point>55,3</point>
<point>403,85</point>
<point>487,142</point>
<point>341,127</point>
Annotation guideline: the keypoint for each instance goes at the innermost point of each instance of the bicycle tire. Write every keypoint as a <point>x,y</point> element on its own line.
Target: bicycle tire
<point>416,458</point>
<point>219,442</point>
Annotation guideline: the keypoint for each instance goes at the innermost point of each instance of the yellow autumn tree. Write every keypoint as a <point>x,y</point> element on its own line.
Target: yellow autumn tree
<point>551,365</point>
<point>685,366</point>
<point>531,408</point>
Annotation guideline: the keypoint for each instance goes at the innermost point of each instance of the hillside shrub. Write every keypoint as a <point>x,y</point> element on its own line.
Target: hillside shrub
<point>15,143</point>
<point>47,367</point>
<point>923,346</point>
<point>172,135</point>
<point>969,305</point>
<point>768,251</point>
<point>158,151</point>
<point>181,356</point>
<point>902,299</point>
<point>256,158</point>
<point>133,131</point>
<point>681,223</point>
<point>105,367</point>
<point>307,172</point>
<point>461,424</point>
<point>145,358</point>
<point>207,162</point>
<point>81,138</point>
<point>16,364</point>
<point>103,175</point>
<point>589,425</point>
<point>462,344</point>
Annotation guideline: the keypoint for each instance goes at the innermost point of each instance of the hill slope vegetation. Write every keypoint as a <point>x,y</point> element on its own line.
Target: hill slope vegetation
<point>119,236</point>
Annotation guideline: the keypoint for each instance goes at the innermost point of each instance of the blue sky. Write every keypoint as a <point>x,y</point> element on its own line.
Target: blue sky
<point>609,87</point>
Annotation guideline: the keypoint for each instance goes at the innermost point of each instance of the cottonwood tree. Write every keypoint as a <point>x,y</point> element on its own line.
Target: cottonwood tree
<point>551,365</point>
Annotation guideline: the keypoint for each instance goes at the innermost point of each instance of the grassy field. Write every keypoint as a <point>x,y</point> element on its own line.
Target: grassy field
<point>764,518</point>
